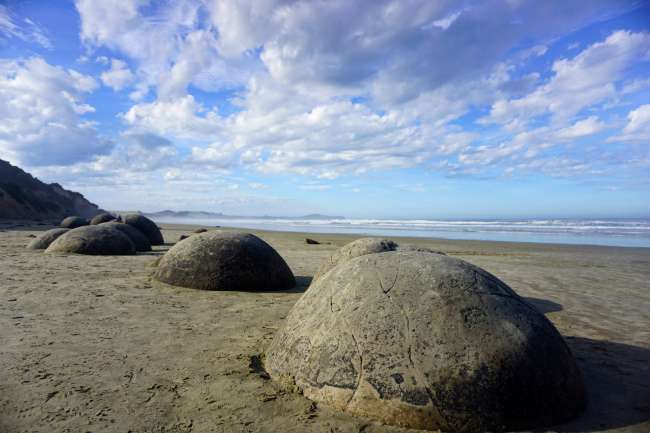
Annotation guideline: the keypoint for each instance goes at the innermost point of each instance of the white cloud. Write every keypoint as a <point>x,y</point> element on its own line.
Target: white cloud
<point>118,76</point>
<point>337,88</point>
<point>180,118</point>
<point>27,31</point>
<point>589,126</point>
<point>587,79</point>
<point>41,108</point>
<point>638,125</point>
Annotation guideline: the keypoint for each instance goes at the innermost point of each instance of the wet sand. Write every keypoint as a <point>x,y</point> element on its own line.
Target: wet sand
<point>92,344</point>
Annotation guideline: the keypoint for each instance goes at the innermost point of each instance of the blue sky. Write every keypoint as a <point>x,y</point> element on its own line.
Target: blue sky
<point>408,109</point>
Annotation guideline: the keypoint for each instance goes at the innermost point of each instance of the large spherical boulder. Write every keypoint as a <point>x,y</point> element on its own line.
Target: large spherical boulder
<point>102,218</point>
<point>72,222</point>
<point>46,238</point>
<point>93,240</point>
<point>219,260</point>
<point>357,248</point>
<point>426,341</point>
<point>146,226</point>
<point>140,241</point>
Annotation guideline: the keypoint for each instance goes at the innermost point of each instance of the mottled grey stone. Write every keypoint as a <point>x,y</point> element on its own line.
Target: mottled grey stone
<point>140,241</point>
<point>357,248</point>
<point>146,226</point>
<point>225,261</point>
<point>72,222</point>
<point>45,239</point>
<point>93,240</point>
<point>426,341</point>
<point>102,218</point>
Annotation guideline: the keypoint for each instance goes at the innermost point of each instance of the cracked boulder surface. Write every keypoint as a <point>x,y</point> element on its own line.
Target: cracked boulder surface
<point>146,226</point>
<point>93,240</point>
<point>219,260</point>
<point>426,341</point>
<point>46,238</point>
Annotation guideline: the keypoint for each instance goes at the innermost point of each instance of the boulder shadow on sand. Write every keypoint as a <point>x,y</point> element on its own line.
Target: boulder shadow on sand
<point>617,379</point>
<point>544,305</point>
<point>225,261</point>
<point>426,341</point>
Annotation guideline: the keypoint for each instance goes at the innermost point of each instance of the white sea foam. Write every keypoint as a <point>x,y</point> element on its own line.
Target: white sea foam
<point>617,232</point>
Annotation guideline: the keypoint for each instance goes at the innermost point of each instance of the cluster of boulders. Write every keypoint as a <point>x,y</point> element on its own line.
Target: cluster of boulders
<point>104,234</point>
<point>404,335</point>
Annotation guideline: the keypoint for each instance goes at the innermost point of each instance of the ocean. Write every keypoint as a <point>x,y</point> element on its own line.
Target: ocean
<point>612,232</point>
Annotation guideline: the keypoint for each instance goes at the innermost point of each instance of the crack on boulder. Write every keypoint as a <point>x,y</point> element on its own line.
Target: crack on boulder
<point>415,369</point>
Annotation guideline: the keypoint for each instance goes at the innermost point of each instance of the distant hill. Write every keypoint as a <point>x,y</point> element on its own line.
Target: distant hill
<point>22,196</point>
<point>219,215</point>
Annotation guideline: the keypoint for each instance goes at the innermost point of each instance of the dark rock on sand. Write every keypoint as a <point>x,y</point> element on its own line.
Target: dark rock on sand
<point>72,222</point>
<point>93,240</point>
<point>46,238</point>
<point>182,237</point>
<point>312,241</point>
<point>102,218</point>
<point>426,341</point>
<point>357,248</point>
<point>146,226</point>
<point>225,261</point>
<point>140,241</point>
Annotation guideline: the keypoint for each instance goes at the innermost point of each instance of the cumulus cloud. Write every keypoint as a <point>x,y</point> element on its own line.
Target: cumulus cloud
<point>118,76</point>
<point>589,126</point>
<point>337,88</point>
<point>182,117</point>
<point>41,114</point>
<point>587,79</point>
<point>638,125</point>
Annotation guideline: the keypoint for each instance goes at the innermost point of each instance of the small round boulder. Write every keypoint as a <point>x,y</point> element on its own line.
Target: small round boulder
<point>146,226</point>
<point>225,261</point>
<point>46,238</point>
<point>102,218</point>
<point>426,341</point>
<point>357,248</point>
<point>72,222</point>
<point>93,240</point>
<point>138,238</point>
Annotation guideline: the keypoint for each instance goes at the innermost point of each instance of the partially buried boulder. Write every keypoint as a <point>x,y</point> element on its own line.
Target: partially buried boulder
<point>93,240</point>
<point>225,261</point>
<point>46,238</point>
<point>138,238</point>
<point>72,222</point>
<point>146,226</point>
<point>426,341</point>
<point>102,218</point>
<point>357,248</point>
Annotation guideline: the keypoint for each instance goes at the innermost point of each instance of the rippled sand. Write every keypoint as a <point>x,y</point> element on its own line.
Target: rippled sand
<point>92,344</point>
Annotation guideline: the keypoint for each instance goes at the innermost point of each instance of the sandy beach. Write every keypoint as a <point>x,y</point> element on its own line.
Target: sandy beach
<point>92,344</point>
